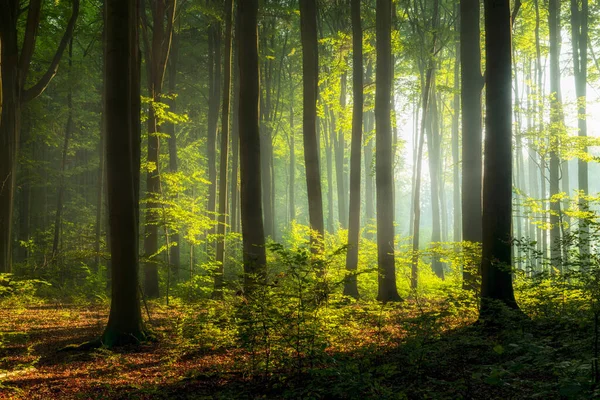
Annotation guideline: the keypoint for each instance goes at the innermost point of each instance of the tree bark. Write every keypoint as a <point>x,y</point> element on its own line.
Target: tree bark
<point>220,259</point>
<point>123,132</point>
<point>496,261</point>
<point>253,238</point>
<point>555,131</point>
<point>471,87</point>
<point>579,41</point>
<point>387,290</point>
<point>350,285</point>
<point>61,185</point>
<point>310,72</point>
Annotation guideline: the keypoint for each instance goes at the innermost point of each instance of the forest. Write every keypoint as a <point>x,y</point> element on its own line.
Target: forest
<point>299,199</point>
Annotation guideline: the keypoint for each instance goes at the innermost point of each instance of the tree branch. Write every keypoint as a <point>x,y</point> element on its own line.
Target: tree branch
<point>42,84</point>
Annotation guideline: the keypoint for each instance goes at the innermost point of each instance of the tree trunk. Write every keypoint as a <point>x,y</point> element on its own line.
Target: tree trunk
<point>496,273</point>
<point>579,40</point>
<point>340,160</point>
<point>292,187</point>
<point>122,116</point>
<point>214,101</point>
<point>235,137</point>
<point>387,290</point>
<point>157,55</point>
<point>471,86</point>
<point>14,71</point>
<point>310,72</point>
<point>555,131</point>
<point>175,244</point>
<point>220,259</point>
<point>61,185</point>
<point>328,139</point>
<point>368,149</point>
<point>253,237</point>
<point>433,149</point>
<point>350,284</point>
<point>456,205</point>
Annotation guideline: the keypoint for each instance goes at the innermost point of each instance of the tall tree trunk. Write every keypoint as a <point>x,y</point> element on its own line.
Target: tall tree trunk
<point>292,187</point>
<point>340,160</point>
<point>235,137</point>
<point>368,149</point>
<point>328,139</point>
<point>579,40</point>
<point>456,205</point>
<point>156,51</point>
<point>253,236</point>
<point>14,71</point>
<point>122,114</point>
<point>214,101</point>
<point>25,209</point>
<point>471,87</point>
<point>61,185</point>
<point>496,274</point>
<point>175,244</point>
<point>350,284</point>
<point>387,290</point>
<point>218,292</point>
<point>543,243</point>
<point>433,149</point>
<point>555,131</point>
<point>310,72</point>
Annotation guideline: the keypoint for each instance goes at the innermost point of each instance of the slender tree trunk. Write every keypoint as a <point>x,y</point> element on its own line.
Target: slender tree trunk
<point>218,290</point>
<point>157,50</point>
<point>456,205</point>
<point>214,101</point>
<point>368,149</point>
<point>25,209</point>
<point>387,290</point>
<point>471,87</point>
<point>329,161</point>
<point>235,138</point>
<point>579,41</point>
<point>253,236</point>
<point>310,72</point>
<point>496,262</point>
<point>433,149</point>
<point>340,160</point>
<point>555,130</point>
<point>61,185</point>
<point>350,285</point>
<point>292,187</point>
<point>175,244</point>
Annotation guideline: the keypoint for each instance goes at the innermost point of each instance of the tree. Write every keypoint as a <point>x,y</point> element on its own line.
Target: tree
<point>350,287</point>
<point>15,67</point>
<point>310,71</point>
<point>253,236</point>
<point>555,130</point>
<point>579,41</point>
<point>496,273</point>
<point>156,53</point>
<point>387,290</point>
<point>220,258</point>
<point>123,133</point>
<point>471,86</point>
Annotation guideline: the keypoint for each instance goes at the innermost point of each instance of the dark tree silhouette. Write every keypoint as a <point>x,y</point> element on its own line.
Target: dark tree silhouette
<point>123,135</point>
<point>496,273</point>
<point>253,236</point>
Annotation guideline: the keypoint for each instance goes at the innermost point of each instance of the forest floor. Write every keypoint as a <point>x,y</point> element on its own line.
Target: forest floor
<point>541,359</point>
